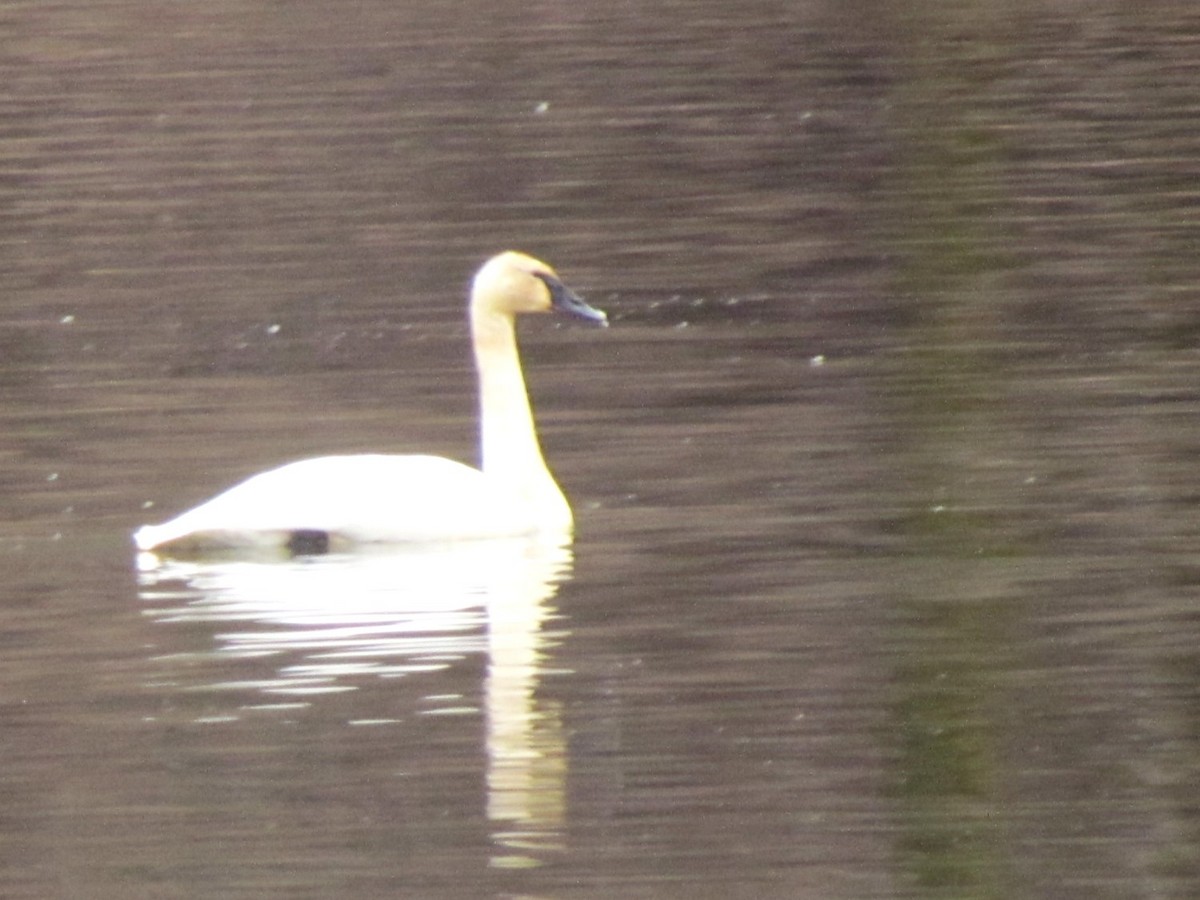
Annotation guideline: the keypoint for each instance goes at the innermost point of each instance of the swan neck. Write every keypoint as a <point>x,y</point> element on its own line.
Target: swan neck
<point>510,452</point>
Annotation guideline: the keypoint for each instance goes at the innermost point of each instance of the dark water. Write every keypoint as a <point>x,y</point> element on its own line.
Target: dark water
<point>885,476</point>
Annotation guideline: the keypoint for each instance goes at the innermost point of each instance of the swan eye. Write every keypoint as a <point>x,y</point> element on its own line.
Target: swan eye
<point>558,290</point>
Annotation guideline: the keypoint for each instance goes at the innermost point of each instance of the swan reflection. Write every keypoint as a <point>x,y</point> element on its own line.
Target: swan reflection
<point>324,623</point>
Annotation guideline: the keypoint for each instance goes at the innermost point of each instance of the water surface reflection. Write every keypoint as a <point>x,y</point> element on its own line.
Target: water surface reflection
<point>325,623</point>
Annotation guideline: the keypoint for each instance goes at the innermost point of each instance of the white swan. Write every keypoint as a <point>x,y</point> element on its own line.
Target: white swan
<point>339,501</point>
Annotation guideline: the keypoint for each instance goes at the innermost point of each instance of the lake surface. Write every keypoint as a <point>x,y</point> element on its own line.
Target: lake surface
<point>885,576</point>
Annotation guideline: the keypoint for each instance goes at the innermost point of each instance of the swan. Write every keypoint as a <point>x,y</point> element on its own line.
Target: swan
<point>338,502</point>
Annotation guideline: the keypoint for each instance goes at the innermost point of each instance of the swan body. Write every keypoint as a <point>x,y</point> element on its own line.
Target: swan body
<point>337,502</point>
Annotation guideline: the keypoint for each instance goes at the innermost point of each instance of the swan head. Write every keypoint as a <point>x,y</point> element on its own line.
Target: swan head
<point>511,283</point>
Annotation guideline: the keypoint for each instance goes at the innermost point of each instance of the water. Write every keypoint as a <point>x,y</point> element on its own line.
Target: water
<point>884,580</point>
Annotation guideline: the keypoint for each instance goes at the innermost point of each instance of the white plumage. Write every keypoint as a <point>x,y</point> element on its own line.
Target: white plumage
<point>333,502</point>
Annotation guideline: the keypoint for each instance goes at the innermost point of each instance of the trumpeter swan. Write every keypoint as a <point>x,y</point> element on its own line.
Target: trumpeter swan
<point>339,501</point>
